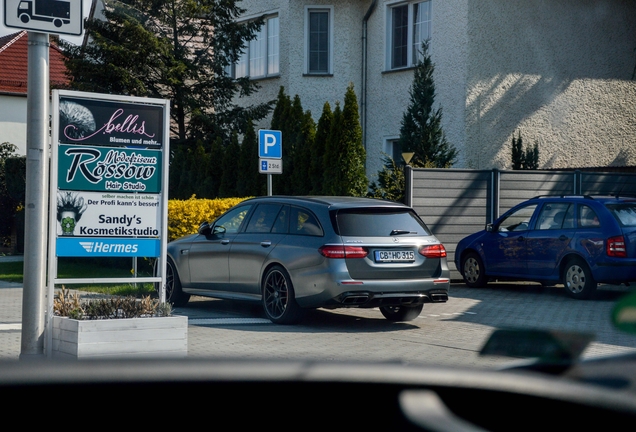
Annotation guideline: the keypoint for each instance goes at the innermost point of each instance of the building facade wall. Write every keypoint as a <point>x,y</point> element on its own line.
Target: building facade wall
<point>314,91</point>
<point>388,91</point>
<point>560,72</point>
<point>13,111</point>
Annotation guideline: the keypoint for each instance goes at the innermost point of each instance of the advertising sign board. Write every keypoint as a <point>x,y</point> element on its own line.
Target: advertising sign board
<point>108,176</point>
<point>91,168</point>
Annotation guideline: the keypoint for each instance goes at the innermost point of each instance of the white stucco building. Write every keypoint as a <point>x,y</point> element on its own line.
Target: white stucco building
<point>561,72</point>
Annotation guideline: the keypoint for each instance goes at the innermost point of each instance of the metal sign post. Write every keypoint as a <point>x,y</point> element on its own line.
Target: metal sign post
<point>37,174</point>
<point>39,17</point>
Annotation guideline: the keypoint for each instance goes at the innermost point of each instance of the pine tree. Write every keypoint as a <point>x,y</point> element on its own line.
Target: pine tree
<point>280,121</point>
<point>524,159</point>
<point>355,182</point>
<point>391,182</point>
<point>301,179</point>
<point>331,160</point>
<point>317,154</point>
<point>421,130</point>
<point>518,155</point>
<point>345,155</point>
<point>176,50</point>
<point>215,169</point>
<point>229,178</point>
<point>250,182</point>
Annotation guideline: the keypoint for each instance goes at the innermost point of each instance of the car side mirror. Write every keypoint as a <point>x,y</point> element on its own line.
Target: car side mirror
<point>489,227</point>
<point>204,229</point>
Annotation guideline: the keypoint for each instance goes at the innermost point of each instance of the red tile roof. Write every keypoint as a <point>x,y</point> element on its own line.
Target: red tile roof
<point>13,64</point>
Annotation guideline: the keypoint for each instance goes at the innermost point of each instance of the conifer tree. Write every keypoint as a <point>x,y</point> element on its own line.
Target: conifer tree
<point>331,175</point>
<point>518,155</point>
<point>391,182</point>
<point>301,178</point>
<point>214,167</point>
<point>250,182</point>
<point>345,155</point>
<point>280,121</point>
<point>229,178</point>
<point>317,154</point>
<point>421,130</point>
<point>147,48</point>
<point>524,159</point>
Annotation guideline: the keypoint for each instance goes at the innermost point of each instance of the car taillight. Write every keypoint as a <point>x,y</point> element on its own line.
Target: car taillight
<point>616,247</point>
<point>433,251</point>
<point>341,251</point>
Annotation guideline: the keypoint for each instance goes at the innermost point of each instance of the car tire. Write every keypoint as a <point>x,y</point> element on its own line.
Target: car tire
<point>174,293</point>
<point>578,280</point>
<point>279,300</point>
<point>401,313</point>
<point>473,270</point>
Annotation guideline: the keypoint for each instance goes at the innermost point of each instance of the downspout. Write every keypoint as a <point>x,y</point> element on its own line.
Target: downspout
<point>363,91</point>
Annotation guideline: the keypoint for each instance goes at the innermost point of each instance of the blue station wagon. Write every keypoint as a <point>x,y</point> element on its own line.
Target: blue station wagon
<point>579,241</point>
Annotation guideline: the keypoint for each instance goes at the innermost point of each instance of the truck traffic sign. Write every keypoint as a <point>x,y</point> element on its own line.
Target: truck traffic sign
<point>46,16</point>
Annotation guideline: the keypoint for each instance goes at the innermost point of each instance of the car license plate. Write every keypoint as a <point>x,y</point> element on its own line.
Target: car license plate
<point>394,256</point>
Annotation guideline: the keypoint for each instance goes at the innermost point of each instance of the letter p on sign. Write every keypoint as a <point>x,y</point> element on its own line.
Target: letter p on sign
<point>270,144</point>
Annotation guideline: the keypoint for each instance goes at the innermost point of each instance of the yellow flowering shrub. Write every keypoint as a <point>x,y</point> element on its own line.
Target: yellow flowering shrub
<point>185,216</point>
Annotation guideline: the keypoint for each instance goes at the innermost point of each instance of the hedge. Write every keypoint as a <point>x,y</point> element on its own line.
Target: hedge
<point>185,216</point>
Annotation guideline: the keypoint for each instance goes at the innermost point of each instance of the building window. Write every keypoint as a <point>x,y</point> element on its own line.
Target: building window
<point>261,56</point>
<point>409,25</point>
<point>318,40</point>
<point>393,150</point>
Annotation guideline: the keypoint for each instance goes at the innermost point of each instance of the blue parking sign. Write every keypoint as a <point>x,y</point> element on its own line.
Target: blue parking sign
<point>270,144</point>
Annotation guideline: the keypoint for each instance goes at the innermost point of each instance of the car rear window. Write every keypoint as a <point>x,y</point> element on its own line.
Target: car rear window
<point>625,213</point>
<point>378,222</point>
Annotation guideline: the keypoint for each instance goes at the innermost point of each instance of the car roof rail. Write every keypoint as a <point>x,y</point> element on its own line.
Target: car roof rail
<point>618,195</point>
<point>564,196</point>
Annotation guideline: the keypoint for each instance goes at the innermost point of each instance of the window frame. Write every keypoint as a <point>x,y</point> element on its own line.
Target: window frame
<point>270,55</point>
<point>412,53</point>
<point>393,149</point>
<point>518,217</point>
<point>309,9</point>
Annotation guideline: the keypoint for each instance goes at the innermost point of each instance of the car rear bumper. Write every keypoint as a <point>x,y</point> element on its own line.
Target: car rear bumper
<point>375,293</point>
<point>615,272</point>
<point>366,299</point>
<point>331,285</point>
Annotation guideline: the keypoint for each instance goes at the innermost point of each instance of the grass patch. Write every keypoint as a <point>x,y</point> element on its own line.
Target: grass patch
<point>82,268</point>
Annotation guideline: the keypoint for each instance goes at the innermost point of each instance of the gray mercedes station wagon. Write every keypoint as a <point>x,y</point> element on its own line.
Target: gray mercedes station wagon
<point>298,253</point>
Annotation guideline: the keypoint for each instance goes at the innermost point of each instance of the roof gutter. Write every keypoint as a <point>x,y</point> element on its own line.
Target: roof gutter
<point>363,92</point>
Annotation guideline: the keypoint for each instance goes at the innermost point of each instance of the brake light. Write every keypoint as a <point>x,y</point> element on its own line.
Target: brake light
<point>616,247</point>
<point>341,251</point>
<point>433,251</point>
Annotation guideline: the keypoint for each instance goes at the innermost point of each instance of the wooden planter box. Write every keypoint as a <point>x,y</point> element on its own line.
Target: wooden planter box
<point>120,338</point>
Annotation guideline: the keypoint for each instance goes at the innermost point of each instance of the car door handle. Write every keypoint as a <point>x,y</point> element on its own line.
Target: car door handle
<point>225,241</point>
<point>521,238</point>
<point>266,243</point>
<point>563,237</point>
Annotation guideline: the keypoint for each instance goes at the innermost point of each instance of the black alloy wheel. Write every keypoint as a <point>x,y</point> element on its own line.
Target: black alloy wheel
<point>279,300</point>
<point>174,293</point>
